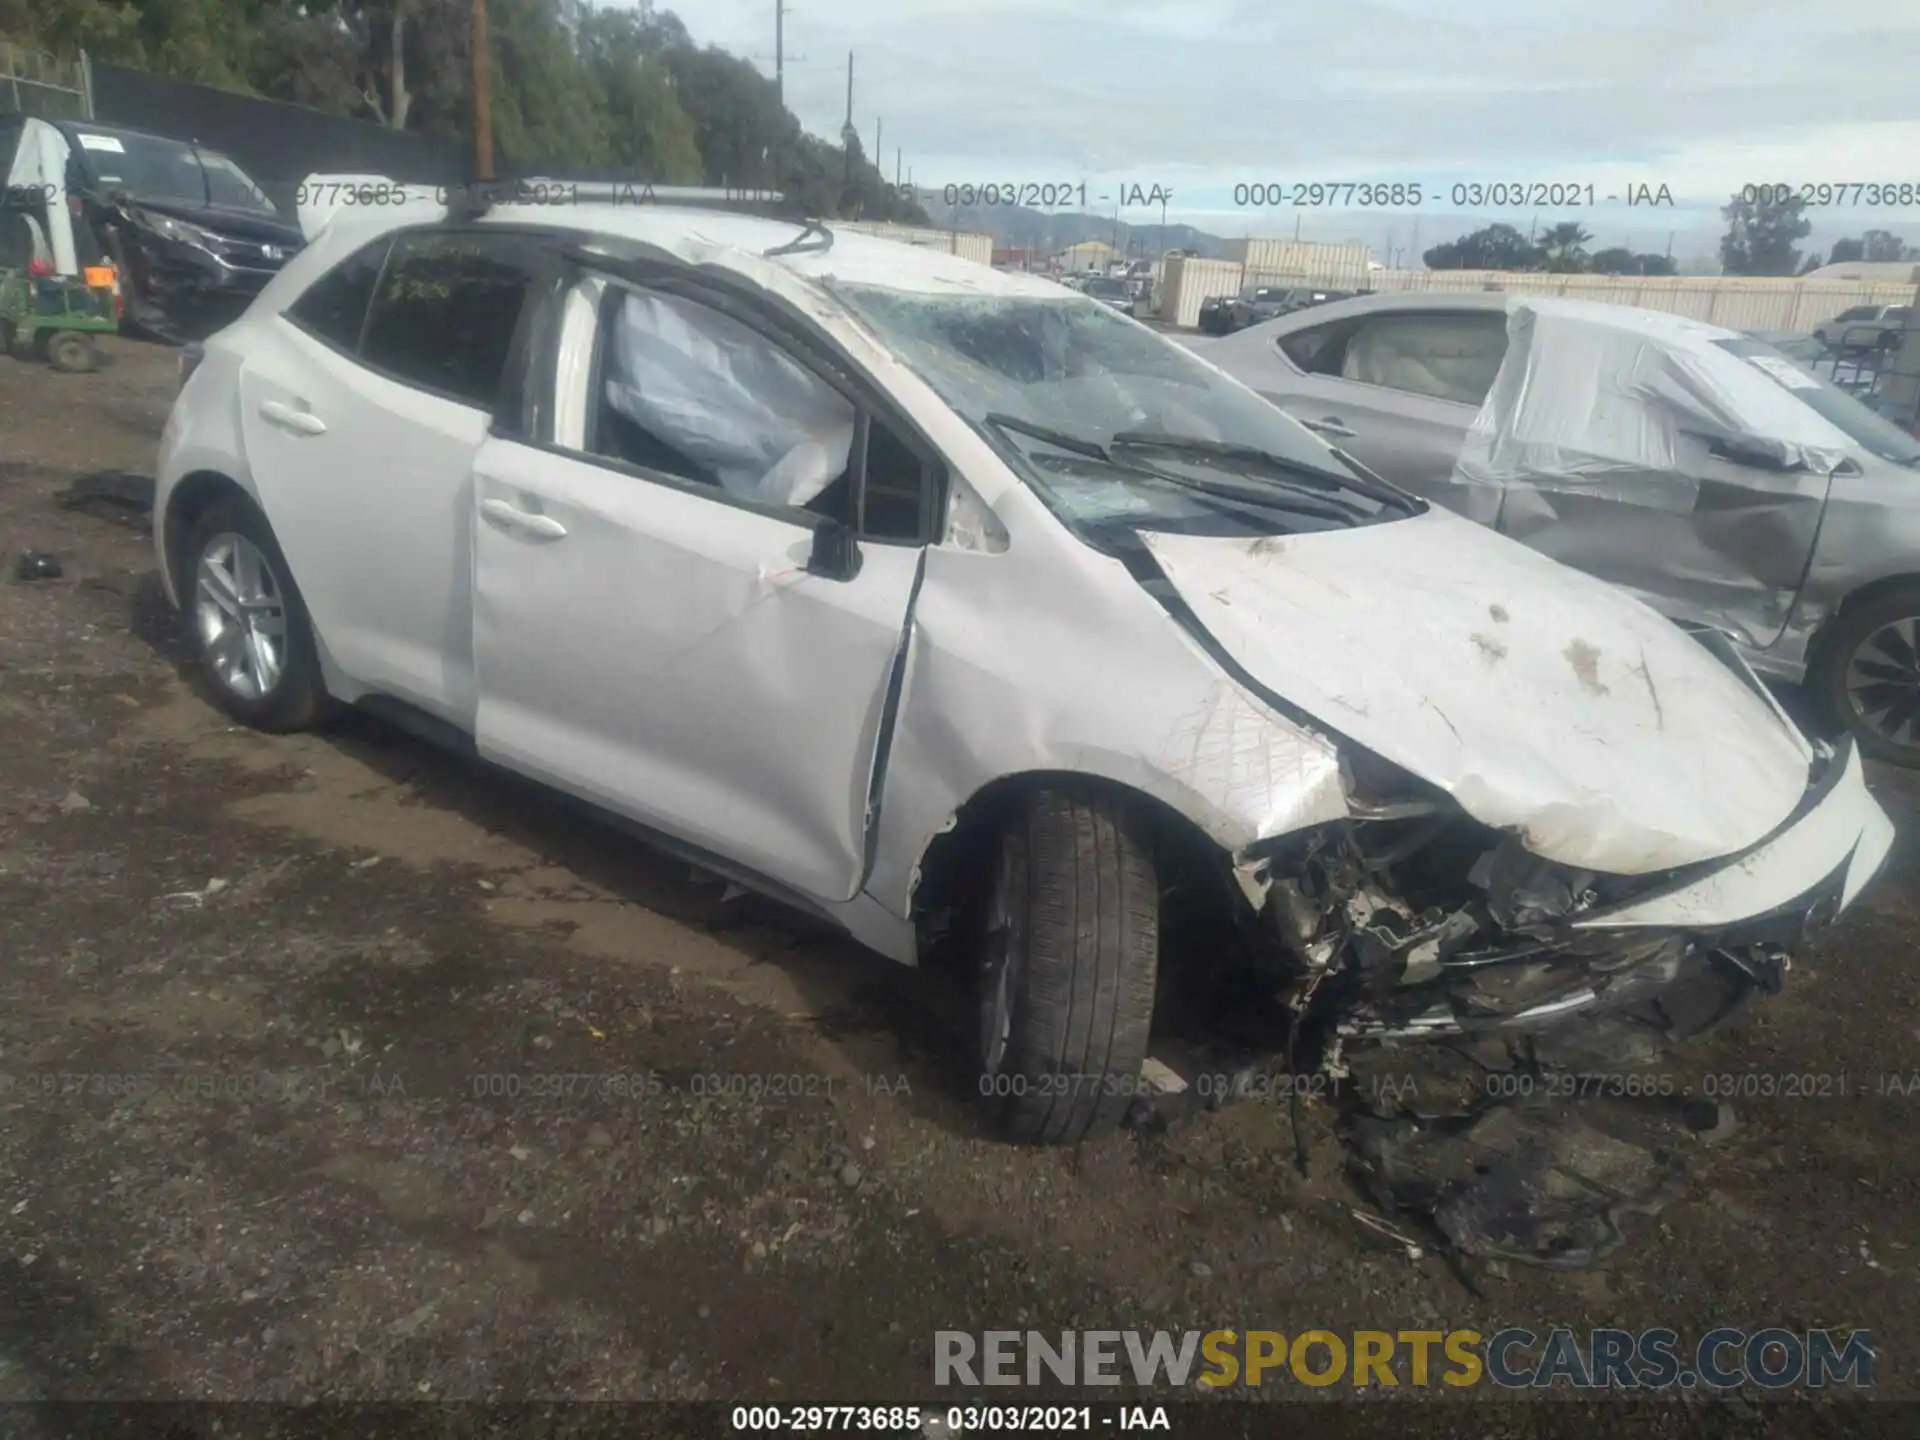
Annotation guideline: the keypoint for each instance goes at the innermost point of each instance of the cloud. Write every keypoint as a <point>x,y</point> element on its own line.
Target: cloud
<point>1203,94</point>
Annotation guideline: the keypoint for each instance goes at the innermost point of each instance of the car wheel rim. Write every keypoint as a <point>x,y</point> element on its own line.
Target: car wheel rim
<point>241,616</point>
<point>1883,682</point>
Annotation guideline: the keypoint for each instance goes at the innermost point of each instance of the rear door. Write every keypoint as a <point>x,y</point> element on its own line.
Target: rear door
<point>648,631</point>
<point>1397,390</point>
<point>363,406</point>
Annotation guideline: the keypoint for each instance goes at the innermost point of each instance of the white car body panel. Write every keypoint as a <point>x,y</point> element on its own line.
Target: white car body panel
<point>1541,700</point>
<point>1846,828</point>
<point>1025,650</point>
<point>389,483</point>
<point>1064,693</point>
<point>672,660</point>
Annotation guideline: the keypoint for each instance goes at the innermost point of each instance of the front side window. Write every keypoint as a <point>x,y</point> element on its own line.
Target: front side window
<point>444,314</point>
<point>690,391</point>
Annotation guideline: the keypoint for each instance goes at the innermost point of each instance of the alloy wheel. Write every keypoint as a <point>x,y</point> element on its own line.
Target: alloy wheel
<point>241,616</point>
<point>1883,682</point>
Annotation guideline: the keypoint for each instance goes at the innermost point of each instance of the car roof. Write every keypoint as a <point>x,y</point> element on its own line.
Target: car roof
<point>699,236</point>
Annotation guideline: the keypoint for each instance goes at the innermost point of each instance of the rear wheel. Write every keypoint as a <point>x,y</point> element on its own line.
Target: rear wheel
<point>73,352</point>
<point>1867,676</point>
<point>1067,975</point>
<point>247,623</point>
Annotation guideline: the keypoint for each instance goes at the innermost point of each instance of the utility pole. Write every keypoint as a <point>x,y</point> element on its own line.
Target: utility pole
<point>482,97</point>
<point>877,151</point>
<point>780,52</point>
<point>849,137</point>
<point>896,167</point>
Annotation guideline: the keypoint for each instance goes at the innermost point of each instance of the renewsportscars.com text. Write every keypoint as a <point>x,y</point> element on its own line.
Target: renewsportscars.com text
<point>1602,1359</point>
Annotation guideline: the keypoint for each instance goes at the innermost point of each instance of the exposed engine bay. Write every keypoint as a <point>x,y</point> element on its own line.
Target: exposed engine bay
<point>1413,940</point>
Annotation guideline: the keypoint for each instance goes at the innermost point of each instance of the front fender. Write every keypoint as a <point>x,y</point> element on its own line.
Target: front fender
<point>1100,681</point>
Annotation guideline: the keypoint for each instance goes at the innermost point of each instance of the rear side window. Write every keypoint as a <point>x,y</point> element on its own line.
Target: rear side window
<point>334,307</point>
<point>1448,355</point>
<point>444,314</point>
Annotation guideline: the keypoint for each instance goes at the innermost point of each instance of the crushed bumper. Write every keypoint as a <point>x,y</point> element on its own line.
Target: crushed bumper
<point>1507,942</point>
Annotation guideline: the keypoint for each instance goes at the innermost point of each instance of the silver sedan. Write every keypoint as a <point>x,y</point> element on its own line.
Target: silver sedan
<point>1699,468</point>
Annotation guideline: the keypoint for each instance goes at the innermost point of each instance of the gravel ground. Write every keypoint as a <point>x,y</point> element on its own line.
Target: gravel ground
<point>282,1019</point>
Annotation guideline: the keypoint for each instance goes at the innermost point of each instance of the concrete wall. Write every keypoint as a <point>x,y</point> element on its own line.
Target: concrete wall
<point>969,244</point>
<point>1737,302</point>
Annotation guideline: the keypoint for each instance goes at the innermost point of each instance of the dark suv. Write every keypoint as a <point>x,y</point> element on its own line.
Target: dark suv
<point>195,239</point>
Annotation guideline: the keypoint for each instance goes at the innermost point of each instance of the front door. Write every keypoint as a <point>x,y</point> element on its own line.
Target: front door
<point>647,632</point>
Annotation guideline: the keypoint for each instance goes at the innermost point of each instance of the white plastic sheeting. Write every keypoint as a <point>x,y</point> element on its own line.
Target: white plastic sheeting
<point>728,399</point>
<point>1624,404</point>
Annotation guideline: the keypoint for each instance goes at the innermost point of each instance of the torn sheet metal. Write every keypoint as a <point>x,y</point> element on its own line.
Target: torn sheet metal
<point>988,697</point>
<point>1543,700</point>
<point>1612,400</point>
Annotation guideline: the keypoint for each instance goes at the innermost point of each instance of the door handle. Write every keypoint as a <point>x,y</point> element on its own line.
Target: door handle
<point>1330,425</point>
<point>527,522</point>
<point>300,422</point>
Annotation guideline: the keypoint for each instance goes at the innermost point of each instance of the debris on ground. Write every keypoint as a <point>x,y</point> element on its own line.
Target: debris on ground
<point>38,565</point>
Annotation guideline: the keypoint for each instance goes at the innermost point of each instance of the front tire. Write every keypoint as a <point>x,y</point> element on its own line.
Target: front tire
<point>246,622</point>
<point>1866,678</point>
<point>1067,978</point>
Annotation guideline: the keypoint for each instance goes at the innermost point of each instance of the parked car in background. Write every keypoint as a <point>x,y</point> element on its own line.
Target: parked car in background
<point>193,237</point>
<point>1864,327</point>
<point>1807,351</point>
<point>1216,315</point>
<point>1224,314</point>
<point>1789,515</point>
<point>996,628</point>
<point>1110,290</point>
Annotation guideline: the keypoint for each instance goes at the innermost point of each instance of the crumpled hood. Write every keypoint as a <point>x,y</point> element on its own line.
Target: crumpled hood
<point>1541,699</point>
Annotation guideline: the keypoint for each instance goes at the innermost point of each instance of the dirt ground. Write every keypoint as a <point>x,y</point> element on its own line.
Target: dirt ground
<point>276,1015</point>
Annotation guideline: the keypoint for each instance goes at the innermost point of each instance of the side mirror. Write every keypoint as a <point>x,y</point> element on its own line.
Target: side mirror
<point>835,554</point>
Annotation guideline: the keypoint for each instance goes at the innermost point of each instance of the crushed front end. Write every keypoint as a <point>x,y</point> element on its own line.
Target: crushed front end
<point>1411,920</point>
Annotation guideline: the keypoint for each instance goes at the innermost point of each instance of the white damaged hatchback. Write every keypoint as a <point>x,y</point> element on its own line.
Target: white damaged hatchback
<point>979,619</point>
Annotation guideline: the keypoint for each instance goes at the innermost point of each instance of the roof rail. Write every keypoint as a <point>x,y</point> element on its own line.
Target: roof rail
<point>814,239</point>
<point>474,198</point>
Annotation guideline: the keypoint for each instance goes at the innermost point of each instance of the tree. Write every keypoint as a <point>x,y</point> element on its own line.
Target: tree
<point>1564,247</point>
<point>1761,233</point>
<point>1497,247</point>
<point>1876,246</point>
<point>576,88</point>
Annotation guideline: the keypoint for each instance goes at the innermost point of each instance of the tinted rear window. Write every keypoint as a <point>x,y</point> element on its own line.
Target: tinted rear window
<point>335,306</point>
<point>446,309</point>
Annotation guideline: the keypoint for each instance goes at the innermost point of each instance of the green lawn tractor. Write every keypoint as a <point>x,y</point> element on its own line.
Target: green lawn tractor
<point>56,317</point>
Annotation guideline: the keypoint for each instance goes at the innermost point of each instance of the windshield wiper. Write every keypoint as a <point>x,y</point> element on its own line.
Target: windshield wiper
<point>1327,504</point>
<point>1227,450</point>
<point>1079,444</point>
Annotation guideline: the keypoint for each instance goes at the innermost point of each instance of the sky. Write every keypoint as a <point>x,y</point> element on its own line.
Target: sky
<point>1198,97</point>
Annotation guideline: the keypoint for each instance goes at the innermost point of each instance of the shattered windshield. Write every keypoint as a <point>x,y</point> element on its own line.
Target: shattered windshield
<point>1110,422</point>
<point>1871,432</point>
